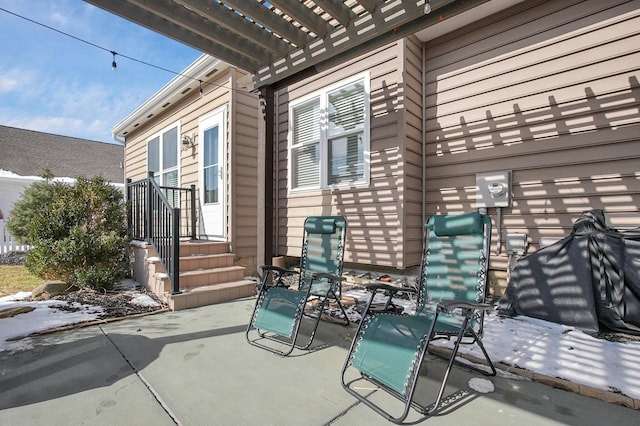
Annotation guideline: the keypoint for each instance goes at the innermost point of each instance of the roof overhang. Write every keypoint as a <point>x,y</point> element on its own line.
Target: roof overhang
<point>202,69</point>
<point>278,39</point>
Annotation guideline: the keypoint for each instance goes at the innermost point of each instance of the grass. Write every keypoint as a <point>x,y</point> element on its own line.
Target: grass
<point>16,278</point>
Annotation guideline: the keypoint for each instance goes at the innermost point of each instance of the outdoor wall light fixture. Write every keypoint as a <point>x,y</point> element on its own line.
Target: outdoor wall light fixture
<point>187,142</point>
<point>427,7</point>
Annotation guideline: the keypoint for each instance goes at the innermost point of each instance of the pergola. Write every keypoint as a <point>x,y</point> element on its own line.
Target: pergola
<point>281,41</point>
<point>278,39</point>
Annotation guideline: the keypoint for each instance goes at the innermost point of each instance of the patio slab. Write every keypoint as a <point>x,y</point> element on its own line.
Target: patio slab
<point>194,367</point>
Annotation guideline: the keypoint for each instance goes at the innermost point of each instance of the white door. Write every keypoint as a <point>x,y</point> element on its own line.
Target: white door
<point>212,135</point>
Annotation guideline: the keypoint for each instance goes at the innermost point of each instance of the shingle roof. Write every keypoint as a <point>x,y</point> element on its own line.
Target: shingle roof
<point>26,152</point>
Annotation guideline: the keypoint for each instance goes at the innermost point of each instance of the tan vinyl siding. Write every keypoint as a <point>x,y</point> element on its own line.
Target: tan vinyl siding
<point>412,131</point>
<point>546,89</point>
<point>244,215</point>
<point>375,213</point>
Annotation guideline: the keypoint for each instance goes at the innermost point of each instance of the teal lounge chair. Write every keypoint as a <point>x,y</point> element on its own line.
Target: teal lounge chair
<point>389,348</point>
<point>280,308</point>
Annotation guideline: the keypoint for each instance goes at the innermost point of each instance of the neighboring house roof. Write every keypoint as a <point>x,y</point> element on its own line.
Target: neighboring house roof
<point>27,152</point>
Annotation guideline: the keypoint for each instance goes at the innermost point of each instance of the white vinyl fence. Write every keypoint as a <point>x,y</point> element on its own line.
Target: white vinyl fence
<point>7,243</point>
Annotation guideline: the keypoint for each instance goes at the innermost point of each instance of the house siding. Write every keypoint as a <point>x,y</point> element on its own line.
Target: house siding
<point>241,161</point>
<point>376,214</point>
<point>244,172</point>
<point>548,90</point>
<point>413,215</point>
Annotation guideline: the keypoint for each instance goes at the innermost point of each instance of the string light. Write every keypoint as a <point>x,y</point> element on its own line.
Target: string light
<point>114,65</point>
<point>427,7</point>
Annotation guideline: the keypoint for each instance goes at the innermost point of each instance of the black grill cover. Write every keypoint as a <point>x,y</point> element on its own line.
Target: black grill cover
<point>589,280</point>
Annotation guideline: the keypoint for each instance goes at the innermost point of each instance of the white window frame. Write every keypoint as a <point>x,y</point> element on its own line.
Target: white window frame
<point>158,175</point>
<point>324,162</point>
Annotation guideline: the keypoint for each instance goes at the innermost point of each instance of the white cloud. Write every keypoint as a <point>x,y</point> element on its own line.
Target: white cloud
<point>14,79</point>
<point>71,107</point>
<point>7,84</point>
<point>58,18</point>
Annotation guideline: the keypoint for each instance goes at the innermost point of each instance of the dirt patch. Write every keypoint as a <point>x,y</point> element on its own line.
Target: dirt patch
<point>116,304</point>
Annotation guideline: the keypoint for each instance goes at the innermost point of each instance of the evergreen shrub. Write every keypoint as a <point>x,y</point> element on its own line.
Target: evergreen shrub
<point>78,232</point>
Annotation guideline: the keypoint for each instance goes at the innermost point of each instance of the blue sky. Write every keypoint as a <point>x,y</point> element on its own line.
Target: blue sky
<point>53,83</point>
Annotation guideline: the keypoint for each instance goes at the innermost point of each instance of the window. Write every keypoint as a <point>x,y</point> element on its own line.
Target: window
<point>211,166</point>
<point>162,157</point>
<point>329,137</point>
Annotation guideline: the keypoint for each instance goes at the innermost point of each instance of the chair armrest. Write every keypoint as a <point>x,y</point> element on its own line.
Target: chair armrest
<point>330,277</point>
<point>389,292</point>
<point>278,274</point>
<point>468,307</point>
<point>390,288</point>
<point>278,270</point>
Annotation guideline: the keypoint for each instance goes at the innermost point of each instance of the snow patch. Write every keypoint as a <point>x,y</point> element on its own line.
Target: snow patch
<point>144,300</point>
<point>481,385</point>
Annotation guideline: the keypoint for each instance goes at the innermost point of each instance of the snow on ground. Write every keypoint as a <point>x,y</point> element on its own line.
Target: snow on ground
<point>144,300</point>
<point>46,315</point>
<point>535,345</point>
<point>131,286</point>
<point>547,348</point>
<point>43,317</point>
<point>559,351</point>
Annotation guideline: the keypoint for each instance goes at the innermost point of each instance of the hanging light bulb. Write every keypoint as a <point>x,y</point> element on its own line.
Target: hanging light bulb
<point>113,64</point>
<point>427,7</point>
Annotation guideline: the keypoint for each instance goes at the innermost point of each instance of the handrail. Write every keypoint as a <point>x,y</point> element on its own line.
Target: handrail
<point>164,232</point>
<point>152,217</point>
<point>137,194</point>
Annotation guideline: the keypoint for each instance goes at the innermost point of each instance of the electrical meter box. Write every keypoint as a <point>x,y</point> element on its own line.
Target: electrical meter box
<point>517,243</point>
<point>493,189</point>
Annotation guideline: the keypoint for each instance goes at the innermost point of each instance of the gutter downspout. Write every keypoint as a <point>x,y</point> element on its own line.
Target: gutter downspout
<point>424,133</point>
<point>276,195</point>
<point>122,140</point>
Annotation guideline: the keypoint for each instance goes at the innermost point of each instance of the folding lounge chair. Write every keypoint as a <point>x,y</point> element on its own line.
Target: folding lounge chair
<point>279,309</point>
<point>388,348</point>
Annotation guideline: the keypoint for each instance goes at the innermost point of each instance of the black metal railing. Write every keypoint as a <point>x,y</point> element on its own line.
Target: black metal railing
<point>161,216</point>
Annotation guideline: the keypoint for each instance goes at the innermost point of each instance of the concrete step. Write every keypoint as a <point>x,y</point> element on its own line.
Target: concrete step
<point>189,248</point>
<point>196,262</point>
<point>211,294</point>
<point>207,275</point>
<point>203,277</point>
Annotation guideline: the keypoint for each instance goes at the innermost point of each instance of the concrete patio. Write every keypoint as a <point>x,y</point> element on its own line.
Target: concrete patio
<point>194,367</point>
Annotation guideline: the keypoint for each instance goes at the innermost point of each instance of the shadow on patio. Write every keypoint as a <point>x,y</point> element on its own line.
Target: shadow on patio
<point>195,367</point>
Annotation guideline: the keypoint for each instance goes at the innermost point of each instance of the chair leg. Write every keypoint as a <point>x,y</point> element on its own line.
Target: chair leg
<point>269,348</point>
<point>323,307</point>
<point>315,326</point>
<point>443,385</point>
<point>344,313</point>
<point>464,329</point>
<point>478,341</point>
